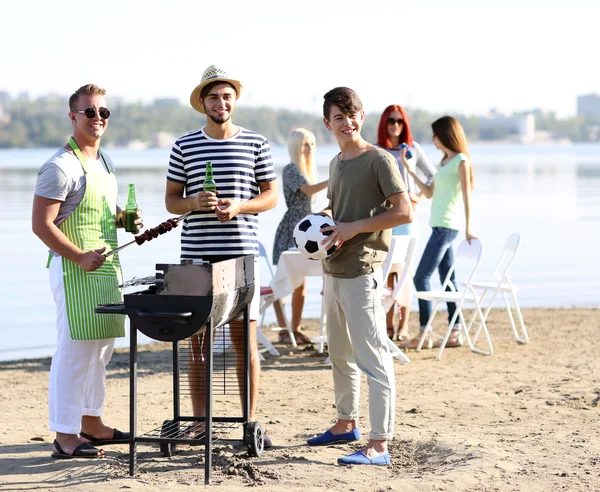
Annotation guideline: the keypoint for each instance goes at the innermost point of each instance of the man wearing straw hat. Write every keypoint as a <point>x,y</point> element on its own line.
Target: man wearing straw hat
<point>223,224</point>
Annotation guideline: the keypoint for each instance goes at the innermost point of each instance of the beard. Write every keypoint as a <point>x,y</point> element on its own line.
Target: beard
<point>219,119</point>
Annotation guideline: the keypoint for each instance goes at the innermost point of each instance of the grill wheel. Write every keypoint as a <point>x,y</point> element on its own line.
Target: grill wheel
<point>254,438</point>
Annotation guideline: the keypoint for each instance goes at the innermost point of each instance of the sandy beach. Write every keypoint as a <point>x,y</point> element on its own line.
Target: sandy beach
<point>524,419</point>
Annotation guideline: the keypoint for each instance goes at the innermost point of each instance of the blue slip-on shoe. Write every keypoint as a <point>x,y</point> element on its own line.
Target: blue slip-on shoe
<point>359,458</point>
<point>329,437</point>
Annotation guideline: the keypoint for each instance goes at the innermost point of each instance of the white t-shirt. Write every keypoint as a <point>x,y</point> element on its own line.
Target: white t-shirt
<point>62,178</point>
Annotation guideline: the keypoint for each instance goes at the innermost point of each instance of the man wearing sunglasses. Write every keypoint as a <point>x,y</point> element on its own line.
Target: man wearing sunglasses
<point>224,224</point>
<point>76,216</point>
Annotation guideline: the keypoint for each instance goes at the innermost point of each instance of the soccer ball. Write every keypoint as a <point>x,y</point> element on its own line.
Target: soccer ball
<point>308,236</point>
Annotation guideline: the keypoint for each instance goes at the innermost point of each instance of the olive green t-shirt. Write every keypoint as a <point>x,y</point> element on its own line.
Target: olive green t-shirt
<point>358,189</point>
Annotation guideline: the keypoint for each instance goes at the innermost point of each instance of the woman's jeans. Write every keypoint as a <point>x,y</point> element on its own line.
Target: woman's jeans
<point>438,254</point>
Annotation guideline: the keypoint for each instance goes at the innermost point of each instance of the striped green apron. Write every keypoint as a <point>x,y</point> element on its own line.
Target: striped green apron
<point>92,226</point>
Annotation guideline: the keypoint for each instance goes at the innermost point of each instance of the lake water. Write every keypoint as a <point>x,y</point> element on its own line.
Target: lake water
<point>549,194</point>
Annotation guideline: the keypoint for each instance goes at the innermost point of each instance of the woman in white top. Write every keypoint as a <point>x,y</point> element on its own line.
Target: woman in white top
<point>393,134</point>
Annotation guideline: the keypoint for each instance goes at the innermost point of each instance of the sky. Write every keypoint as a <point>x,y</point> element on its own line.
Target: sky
<point>462,56</point>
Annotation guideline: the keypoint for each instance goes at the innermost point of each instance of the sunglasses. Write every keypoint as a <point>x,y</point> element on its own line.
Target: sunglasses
<point>392,121</point>
<point>91,113</point>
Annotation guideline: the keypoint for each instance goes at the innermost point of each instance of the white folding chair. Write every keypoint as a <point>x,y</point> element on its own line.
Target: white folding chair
<point>267,298</point>
<point>390,296</point>
<point>386,266</point>
<point>321,339</point>
<point>468,255</point>
<point>500,283</point>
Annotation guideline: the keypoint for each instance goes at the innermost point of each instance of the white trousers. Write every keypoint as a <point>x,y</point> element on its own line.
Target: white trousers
<point>357,341</point>
<point>78,369</point>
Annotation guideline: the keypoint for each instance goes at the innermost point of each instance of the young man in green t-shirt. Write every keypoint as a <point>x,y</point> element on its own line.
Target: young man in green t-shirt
<point>367,197</point>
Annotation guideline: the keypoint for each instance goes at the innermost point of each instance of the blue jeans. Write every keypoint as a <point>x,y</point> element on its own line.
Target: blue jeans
<point>438,254</point>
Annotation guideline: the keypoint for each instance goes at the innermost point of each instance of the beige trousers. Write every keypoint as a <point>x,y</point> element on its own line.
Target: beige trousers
<point>357,340</point>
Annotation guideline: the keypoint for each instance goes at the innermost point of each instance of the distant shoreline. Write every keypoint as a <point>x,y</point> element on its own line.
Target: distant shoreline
<point>483,152</point>
<point>489,143</point>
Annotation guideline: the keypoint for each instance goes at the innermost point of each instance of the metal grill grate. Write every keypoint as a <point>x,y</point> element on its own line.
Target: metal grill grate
<point>188,432</point>
<point>226,364</point>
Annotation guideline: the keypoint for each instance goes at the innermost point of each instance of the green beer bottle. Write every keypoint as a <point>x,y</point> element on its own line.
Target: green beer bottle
<point>209,182</point>
<point>131,208</point>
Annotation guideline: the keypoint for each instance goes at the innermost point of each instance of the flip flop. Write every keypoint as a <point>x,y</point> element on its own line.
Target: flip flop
<point>414,343</point>
<point>118,438</point>
<point>301,338</point>
<point>284,337</point>
<point>453,341</point>
<point>195,431</point>
<point>84,450</point>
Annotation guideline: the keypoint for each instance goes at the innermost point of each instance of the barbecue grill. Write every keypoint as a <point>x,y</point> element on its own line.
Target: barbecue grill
<point>185,303</point>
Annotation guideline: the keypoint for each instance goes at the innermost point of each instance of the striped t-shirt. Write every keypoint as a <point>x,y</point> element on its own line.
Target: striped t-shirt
<point>239,164</point>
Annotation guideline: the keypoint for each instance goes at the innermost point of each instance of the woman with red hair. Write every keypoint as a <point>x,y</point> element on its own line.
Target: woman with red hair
<point>393,131</point>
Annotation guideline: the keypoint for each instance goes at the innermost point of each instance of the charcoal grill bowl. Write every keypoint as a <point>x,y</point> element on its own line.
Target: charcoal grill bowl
<point>189,295</point>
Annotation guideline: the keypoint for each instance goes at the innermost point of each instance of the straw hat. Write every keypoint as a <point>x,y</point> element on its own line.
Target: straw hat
<point>210,75</point>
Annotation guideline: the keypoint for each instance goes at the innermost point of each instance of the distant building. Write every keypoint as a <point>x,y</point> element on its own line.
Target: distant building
<point>541,113</point>
<point>166,102</point>
<point>163,140</point>
<point>137,145</point>
<point>4,118</point>
<point>588,105</point>
<point>5,100</point>
<point>498,126</point>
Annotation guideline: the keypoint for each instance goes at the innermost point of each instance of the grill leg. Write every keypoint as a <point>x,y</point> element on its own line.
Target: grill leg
<point>132,399</point>
<point>209,388</point>
<point>176,399</point>
<point>246,404</point>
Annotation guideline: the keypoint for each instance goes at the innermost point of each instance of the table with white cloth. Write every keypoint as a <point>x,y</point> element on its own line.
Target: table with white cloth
<point>292,269</point>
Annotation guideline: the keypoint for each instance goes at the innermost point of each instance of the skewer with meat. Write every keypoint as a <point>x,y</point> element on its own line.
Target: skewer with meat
<point>160,229</point>
<point>150,234</point>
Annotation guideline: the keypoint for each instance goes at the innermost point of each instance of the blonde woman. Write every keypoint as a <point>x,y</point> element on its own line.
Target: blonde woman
<point>299,186</point>
<point>454,179</point>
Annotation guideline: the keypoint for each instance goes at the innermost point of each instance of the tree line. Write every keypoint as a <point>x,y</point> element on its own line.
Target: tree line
<point>43,122</point>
